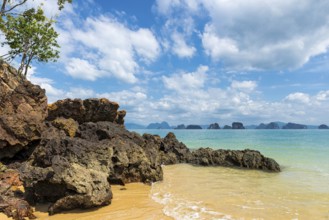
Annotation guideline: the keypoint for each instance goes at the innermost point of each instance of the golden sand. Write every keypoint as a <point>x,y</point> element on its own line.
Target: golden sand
<point>133,202</point>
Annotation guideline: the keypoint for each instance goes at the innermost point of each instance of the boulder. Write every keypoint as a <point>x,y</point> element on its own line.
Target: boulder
<point>103,152</point>
<point>88,110</point>
<point>214,126</point>
<point>250,159</point>
<point>23,109</point>
<point>227,127</point>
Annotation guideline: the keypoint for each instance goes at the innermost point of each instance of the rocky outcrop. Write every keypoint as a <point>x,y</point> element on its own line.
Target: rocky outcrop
<point>88,110</point>
<point>294,126</point>
<point>227,127</point>
<point>23,109</point>
<point>272,125</point>
<point>250,159</point>
<point>237,125</point>
<point>323,126</point>
<point>162,125</point>
<point>182,126</point>
<point>214,126</point>
<point>193,127</point>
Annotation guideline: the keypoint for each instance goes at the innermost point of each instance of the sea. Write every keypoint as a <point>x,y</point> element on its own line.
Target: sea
<point>300,191</point>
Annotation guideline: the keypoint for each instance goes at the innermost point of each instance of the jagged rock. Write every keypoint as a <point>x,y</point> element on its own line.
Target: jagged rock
<point>103,152</point>
<point>23,108</point>
<point>294,126</point>
<point>323,126</point>
<point>193,127</point>
<point>88,110</point>
<point>227,127</point>
<point>11,199</point>
<point>237,125</point>
<point>214,126</point>
<point>69,125</point>
<point>234,158</point>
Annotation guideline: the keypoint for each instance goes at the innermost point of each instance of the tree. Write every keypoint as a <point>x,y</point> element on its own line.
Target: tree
<point>9,5</point>
<point>30,36</point>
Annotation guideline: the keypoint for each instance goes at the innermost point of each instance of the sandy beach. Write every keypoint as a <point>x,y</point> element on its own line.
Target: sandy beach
<point>129,202</point>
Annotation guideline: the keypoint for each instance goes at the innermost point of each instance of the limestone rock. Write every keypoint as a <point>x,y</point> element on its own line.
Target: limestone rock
<point>294,126</point>
<point>193,127</point>
<point>237,125</point>
<point>323,126</point>
<point>214,126</point>
<point>23,109</point>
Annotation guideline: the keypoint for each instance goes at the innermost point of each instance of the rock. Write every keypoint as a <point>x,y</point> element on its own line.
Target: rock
<point>10,177</point>
<point>234,158</point>
<point>323,126</point>
<point>23,108</point>
<point>69,125</point>
<point>103,151</point>
<point>193,127</point>
<point>272,125</point>
<point>294,126</point>
<point>214,126</point>
<point>227,127</point>
<point>162,125</point>
<point>182,126</point>
<point>237,125</point>
<point>12,203</point>
<point>88,110</point>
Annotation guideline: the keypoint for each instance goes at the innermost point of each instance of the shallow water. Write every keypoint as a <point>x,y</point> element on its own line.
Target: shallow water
<point>190,192</point>
<point>300,191</point>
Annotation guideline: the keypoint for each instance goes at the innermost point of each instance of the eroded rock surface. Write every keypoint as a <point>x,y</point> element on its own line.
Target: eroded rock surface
<point>23,109</point>
<point>88,110</point>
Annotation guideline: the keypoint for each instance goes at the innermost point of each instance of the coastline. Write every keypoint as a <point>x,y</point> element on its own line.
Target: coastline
<point>131,201</point>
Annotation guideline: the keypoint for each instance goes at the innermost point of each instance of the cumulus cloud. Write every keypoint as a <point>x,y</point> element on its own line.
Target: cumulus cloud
<point>298,97</point>
<point>104,47</point>
<point>185,82</point>
<point>180,48</point>
<point>258,34</point>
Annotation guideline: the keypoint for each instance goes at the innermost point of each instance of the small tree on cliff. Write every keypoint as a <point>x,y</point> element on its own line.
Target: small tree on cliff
<point>31,37</point>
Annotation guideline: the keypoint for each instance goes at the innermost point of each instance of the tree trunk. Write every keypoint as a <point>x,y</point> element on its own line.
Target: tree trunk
<point>3,7</point>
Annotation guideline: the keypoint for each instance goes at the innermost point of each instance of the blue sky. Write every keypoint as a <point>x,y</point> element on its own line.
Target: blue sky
<point>194,61</point>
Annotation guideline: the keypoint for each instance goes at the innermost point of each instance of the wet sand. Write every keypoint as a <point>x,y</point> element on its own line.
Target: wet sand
<point>134,202</point>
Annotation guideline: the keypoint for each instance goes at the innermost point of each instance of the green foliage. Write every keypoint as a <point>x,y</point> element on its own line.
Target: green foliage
<point>30,36</point>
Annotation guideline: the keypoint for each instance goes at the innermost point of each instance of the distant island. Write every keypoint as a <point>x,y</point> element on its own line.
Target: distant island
<point>234,125</point>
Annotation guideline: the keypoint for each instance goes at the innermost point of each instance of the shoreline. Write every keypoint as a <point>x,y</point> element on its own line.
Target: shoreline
<point>131,201</point>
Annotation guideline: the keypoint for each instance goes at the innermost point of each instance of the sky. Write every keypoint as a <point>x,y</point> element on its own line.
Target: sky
<point>194,61</point>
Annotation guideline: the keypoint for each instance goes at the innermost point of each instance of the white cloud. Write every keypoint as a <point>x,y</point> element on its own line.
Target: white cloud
<point>243,85</point>
<point>107,48</point>
<point>185,82</point>
<point>79,68</point>
<point>258,34</point>
<point>180,48</point>
<point>298,97</point>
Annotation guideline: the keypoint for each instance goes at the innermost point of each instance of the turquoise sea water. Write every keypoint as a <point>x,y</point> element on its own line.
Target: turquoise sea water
<point>300,191</point>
